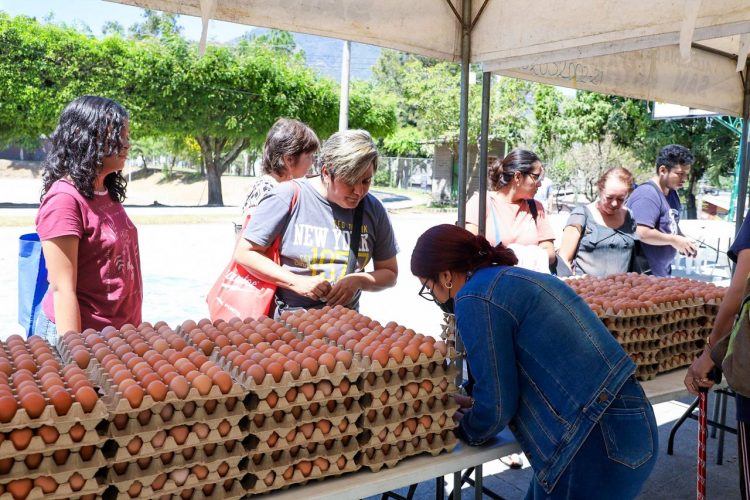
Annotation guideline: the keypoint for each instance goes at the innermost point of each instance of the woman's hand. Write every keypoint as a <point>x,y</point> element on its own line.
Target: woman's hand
<point>344,290</point>
<point>312,287</point>
<point>463,401</point>
<point>697,374</point>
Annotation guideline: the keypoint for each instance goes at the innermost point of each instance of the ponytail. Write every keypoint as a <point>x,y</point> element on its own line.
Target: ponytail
<point>450,248</point>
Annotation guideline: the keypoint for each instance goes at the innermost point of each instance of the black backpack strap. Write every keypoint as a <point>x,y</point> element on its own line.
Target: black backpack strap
<point>532,209</point>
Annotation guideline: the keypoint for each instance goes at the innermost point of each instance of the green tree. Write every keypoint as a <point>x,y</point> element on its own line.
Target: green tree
<point>155,24</point>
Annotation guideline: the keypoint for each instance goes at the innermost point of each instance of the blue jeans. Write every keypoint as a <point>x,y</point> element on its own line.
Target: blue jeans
<point>45,328</point>
<point>618,455</point>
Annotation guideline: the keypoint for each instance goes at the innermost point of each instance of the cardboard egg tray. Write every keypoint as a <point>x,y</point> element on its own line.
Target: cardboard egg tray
<point>646,372</point>
<point>683,348</point>
<point>288,421</point>
<point>255,445</point>
<point>116,403</point>
<point>339,373</point>
<point>423,360</point>
<point>172,488</point>
<point>212,420</point>
<point>115,450</point>
<point>678,337</point>
<point>644,357</point>
<point>60,473</point>
<point>641,345</point>
<point>389,455</point>
<point>254,404</point>
<point>49,416</point>
<point>255,485</point>
<point>677,361</point>
<point>146,476</point>
<point>64,491</point>
<point>404,377</point>
<point>279,460</point>
<point>387,434</point>
<point>403,412</point>
<point>219,492</point>
<point>397,395</point>
<point>653,320</point>
<point>37,445</point>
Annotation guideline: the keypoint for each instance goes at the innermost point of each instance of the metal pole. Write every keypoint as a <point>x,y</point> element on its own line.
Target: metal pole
<point>464,110</point>
<point>744,151</point>
<point>344,105</point>
<point>483,143</point>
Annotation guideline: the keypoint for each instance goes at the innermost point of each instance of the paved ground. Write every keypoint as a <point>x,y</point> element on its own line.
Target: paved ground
<point>181,261</point>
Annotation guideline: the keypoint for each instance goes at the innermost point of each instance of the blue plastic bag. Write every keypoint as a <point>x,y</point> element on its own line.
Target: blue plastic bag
<point>32,280</point>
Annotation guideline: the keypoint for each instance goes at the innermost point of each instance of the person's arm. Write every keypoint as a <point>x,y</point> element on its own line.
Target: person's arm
<point>61,257</point>
<point>549,247</point>
<point>655,237</point>
<point>381,277</point>
<point>252,257</point>
<point>728,310</point>
<point>472,228</point>
<point>488,332</point>
<point>569,246</point>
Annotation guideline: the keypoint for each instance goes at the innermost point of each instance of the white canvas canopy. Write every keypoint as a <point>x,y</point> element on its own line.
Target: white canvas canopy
<point>689,52</point>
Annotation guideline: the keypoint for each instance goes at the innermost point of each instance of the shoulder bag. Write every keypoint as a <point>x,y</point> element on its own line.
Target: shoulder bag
<point>732,353</point>
<point>237,292</point>
<point>32,280</point>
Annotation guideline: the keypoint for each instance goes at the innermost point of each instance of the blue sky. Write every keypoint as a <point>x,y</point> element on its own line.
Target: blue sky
<point>95,13</point>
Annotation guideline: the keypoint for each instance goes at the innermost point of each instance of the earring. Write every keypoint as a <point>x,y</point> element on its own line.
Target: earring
<point>449,285</point>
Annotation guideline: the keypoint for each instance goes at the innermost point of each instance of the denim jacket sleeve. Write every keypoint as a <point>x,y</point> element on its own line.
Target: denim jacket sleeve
<point>487,331</point>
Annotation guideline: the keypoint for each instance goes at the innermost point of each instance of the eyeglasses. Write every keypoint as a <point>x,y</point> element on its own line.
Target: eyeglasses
<point>426,293</point>
<point>537,177</point>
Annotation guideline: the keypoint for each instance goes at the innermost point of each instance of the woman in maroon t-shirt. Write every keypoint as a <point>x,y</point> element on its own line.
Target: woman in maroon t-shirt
<point>89,243</point>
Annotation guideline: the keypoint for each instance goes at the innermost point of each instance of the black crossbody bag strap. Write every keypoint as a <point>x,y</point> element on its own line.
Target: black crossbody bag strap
<point>355,238</point>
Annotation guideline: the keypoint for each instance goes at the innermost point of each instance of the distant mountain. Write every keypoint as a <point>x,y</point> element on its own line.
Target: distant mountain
<point>324,55</point>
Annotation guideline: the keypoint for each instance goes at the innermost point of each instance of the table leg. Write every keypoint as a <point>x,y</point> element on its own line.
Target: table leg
<point>478,482</point>
<point>440,488</point>
<point>457,485</point>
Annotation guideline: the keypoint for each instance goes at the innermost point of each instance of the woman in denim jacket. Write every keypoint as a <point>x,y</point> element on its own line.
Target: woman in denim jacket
<point>544,365</point>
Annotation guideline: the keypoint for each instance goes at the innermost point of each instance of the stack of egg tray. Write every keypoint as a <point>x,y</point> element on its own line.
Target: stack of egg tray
<point>299,428</point>
<point>407,406</point>
<point>187,446</point>
<point>408,411</point>
<point>36,453</point>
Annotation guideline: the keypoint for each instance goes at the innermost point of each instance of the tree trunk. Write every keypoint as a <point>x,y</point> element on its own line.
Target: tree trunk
<point>216,164</point>
<point>692,212</point>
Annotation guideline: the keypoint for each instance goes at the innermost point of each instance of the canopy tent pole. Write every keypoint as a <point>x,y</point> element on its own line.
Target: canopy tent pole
<point>744,150</point>
<point>464,110</point>
<point>483,146</point>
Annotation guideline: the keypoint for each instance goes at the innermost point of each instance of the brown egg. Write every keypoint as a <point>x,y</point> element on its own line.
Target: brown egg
<point>224,428</point>
<point>189,408</point>
<point>157,390</point>
<point>60,399</point>
<point>21,438</point>
<point>87,397</point>
<point>200,471</point>
<point>166,412</point>
<point>311,365</point>
<point>308,390</point>
<point>33,460</point>
<point>158,482</point>
<point>157,441</point>
<point>324,426</point>
<point>48,434</point>
<point>134,446</point>
<point>272,399</point>
<point>143,462</point>
<point>222,380</point>
<point>201,430</point>
<point>60,456</point>
<point>8,408</point>
<point>412,351</point>
<point>210,406</point>
<point>179,433</point>
<point>270,478</point>
<point>77,432</point>
<point>46,484</point>
<point>202,383</point>
<point>304,467</point>
<point>86,452</point>
<point>135,489</point>
<point>76,482</point>
<point>19,488</point>
<point>34,404</point>
<point>322,464</point>
<point>144,417</point>
<point>180,386</point>
<point>188,452</point>
<point>134,395</point>
<point>120,421</point>
<point>325,386</point>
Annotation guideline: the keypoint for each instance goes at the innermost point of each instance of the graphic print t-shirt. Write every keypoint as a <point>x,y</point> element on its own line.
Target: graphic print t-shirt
<point>315,237</point>
<point>109,284</point>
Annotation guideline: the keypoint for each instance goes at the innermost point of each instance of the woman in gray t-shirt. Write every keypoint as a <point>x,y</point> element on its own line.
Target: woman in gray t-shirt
<point>314,219</point>
<point>599,238</point>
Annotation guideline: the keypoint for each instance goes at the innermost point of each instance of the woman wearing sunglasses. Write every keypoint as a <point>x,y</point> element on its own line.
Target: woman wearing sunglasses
<point>544,365</point>
<point>599,238</point>
<point>513,217</point>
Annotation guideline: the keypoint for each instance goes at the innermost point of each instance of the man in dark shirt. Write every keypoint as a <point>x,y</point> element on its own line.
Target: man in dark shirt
<point>656,208</point>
